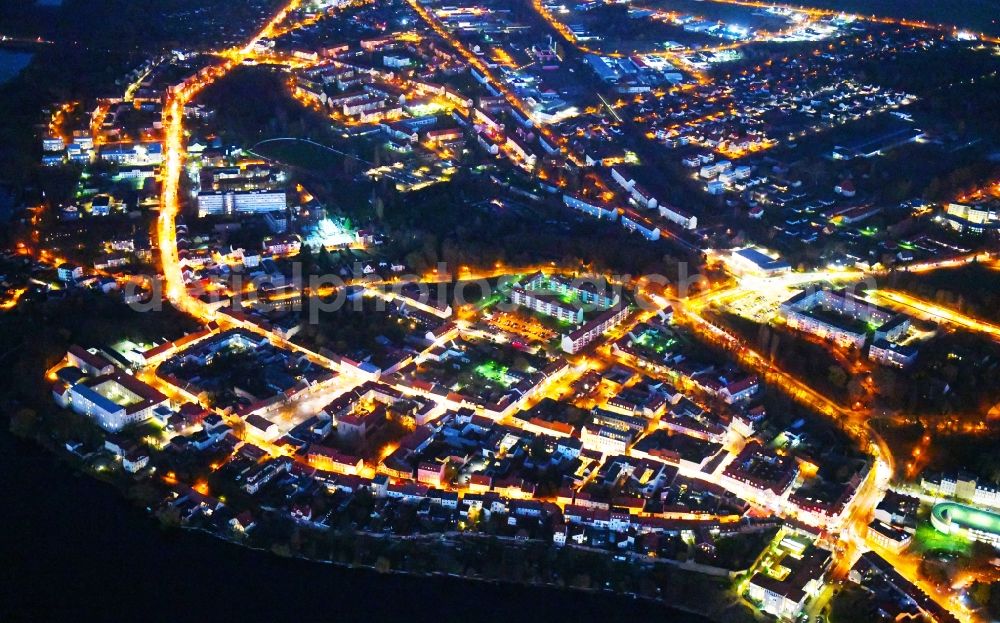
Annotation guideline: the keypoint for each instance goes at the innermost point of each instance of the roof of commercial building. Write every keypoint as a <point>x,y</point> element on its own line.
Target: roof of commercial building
<point>765,262</point>
<point>810,566</point>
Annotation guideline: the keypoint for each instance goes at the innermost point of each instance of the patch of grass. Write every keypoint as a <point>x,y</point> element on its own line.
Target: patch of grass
<point>929,539</point>
<point>308,156</point>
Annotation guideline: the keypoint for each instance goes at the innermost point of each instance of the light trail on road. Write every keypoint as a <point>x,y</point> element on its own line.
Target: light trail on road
<point>574,41</point>
<point>953,262</point>
<point>174,155</point>
<point>877,19</point>
<point>941,313</point>
<point>438,27</point>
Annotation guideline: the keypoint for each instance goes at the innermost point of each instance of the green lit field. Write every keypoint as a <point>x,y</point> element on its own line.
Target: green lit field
<point>480,369</point>
<point>928,539</point>
<point>654,343</point>
<point>302,155</point>
<point>963,521</point>
<point>492,371</point>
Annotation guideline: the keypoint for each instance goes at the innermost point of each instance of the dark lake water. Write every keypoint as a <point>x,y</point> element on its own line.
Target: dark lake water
<point>74,550</point>
<point>12,63</point>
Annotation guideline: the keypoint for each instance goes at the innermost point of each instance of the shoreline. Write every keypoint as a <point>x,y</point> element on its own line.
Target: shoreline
<point>105,522</point>
<point>441,574</point>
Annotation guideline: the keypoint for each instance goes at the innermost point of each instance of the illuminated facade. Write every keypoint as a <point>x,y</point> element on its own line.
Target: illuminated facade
<point>785,590</point>
<point>842,317</point>
<point>246,202</point>
<point>548,304</point>
<point>976,218</point>
<point>115,401</point>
